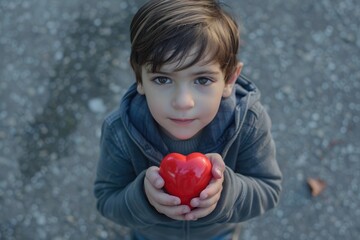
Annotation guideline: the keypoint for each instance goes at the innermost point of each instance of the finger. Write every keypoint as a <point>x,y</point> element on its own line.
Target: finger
<point>153,176</point>
<point>214,187</point>
<point>199,213</point>
<point>218,165</point>
<point>218,169</point>
<point>177,212</point>
<point>206,202</point>
<point>166,199</point>
<point>158,196</point>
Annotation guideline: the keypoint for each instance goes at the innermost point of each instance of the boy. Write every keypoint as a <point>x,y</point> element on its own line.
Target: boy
<point>188,97</point>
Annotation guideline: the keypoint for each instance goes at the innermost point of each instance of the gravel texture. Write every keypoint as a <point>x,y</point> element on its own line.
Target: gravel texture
<point>64,66</point>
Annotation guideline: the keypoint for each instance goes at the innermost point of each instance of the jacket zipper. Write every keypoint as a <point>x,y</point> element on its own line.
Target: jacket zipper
<point>228,145</point>
<point>187,230</point>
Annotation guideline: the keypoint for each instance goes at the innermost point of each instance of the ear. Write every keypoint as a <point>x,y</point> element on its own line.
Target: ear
<point>229,85</point>
<point>140,89</point>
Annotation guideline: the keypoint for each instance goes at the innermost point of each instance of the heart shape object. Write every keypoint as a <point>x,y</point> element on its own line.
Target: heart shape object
<point>185,176</point>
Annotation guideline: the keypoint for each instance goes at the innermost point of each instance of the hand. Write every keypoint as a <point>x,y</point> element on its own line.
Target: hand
<point>209,197</point>
<point>161,201</point>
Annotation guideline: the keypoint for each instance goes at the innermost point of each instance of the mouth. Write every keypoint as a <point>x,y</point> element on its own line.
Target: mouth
<point>182,121</point>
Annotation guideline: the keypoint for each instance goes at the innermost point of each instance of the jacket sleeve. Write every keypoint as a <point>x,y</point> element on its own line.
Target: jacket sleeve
<point>118,188</point>
<point>252,183</point>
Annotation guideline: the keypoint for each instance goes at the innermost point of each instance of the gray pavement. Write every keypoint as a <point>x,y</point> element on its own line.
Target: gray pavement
<point>64,66</point>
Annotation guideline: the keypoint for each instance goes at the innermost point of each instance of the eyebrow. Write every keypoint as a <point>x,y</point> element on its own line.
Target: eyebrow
<point>206,72</point>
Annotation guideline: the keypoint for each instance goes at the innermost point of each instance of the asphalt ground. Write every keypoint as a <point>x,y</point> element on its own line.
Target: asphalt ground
<point>64,66</point>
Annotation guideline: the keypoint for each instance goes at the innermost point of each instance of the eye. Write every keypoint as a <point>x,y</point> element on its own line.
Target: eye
<point>162,80</point>
<point>203,81</point>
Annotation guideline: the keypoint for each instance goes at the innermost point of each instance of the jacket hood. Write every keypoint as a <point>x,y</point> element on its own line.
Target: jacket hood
<point>143,129</point>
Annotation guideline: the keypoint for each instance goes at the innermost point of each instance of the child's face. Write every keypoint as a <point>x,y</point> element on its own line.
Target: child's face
<point>184,102</point>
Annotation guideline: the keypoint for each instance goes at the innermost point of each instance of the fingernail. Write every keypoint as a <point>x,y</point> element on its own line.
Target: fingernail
<point>158,183</point>
<point>185,210</point>
<point>195,203</point>
<point>203,195</point>
<point>218,171</point>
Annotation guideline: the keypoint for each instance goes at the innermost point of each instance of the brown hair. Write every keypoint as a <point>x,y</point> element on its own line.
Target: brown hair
<point>167,31</point>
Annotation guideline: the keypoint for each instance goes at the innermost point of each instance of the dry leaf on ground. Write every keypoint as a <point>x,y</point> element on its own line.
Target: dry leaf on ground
<point>316,186</point>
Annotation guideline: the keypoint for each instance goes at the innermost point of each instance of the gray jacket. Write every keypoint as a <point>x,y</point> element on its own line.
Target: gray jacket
<point>240,133</point>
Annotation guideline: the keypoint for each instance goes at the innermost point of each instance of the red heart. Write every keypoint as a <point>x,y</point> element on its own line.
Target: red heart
<point>185,176</point>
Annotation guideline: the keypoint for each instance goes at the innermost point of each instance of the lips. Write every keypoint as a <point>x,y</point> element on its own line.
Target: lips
<point>182,121</point>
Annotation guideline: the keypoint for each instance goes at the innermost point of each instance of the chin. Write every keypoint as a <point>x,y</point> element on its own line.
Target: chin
<point>183,136</point>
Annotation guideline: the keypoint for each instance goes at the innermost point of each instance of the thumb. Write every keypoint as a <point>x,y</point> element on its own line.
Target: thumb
<point>218,165</point>
<point>153,176</point>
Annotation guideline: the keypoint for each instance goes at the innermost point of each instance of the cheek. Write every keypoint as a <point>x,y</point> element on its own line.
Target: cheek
<point>156,106</point>
<point>153,98</point>
<point>210,106</point>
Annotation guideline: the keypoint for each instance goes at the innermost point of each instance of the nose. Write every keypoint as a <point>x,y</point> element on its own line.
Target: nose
<point>183,99</point>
